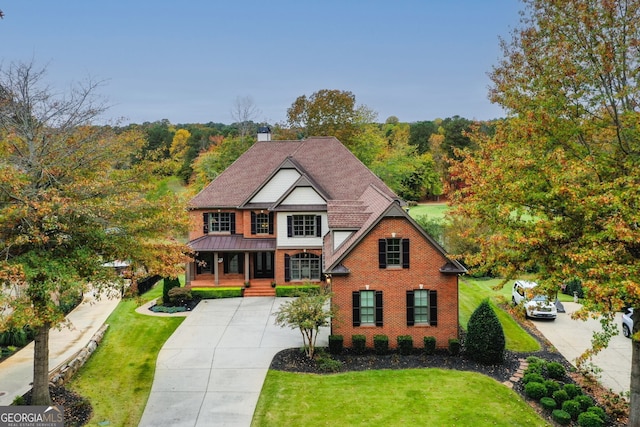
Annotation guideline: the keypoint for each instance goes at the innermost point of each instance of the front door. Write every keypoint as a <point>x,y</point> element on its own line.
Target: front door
<point>263,265</point>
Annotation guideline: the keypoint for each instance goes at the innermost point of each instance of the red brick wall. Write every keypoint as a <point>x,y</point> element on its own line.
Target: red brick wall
<point>425,263</point>
<point>279,264</point>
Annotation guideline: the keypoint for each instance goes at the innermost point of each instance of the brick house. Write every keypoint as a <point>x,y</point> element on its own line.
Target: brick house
<point>290,212</point>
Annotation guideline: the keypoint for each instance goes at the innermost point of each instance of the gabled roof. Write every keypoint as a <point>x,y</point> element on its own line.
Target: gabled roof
<point>379,206</point>
<point>328,165</point>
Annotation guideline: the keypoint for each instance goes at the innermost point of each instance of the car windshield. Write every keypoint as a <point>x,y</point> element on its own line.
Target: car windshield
<point>539,298</point>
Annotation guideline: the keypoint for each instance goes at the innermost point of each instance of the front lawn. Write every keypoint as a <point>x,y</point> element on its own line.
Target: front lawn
<point>413,397</point>
<point>117,378</point>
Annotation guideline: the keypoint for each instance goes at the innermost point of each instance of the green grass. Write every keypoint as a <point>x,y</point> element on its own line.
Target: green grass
<point>473,291</point>
<point>431,210</point>
<point>117,378</point>
<point>413,397</point>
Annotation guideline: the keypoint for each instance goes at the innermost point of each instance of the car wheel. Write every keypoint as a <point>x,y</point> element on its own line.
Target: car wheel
<point>626,331</point>
<point>513,300</point>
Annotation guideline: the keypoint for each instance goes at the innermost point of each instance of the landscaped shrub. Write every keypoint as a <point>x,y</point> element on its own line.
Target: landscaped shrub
<point>560,396</point>
<point>552,386</point>
<point>572,408</point>
<point>14,337</point>
<point>599,412</point>
<point>590,419</point>
<point>180,296</point>
<point>485,340</point>
<point>556,370</point>
<point>169,283</point>
<point>327,364</point>
<point>561,417</point>
<point>294,291</point>
<point>534,359</point>
<point>429,345</point>
<point>535,390</point>
<point>359,343</point>
<point>405,344</point>
<point>381,344</point>
<point>585,402</point>
<point>572,390</point>
<point>454,346</point>
<point>532,377</point>
<point>548,403</point>
<point>574,285</point>
<point>336,343</point>
<point>537,367</point>
<point>214,293</point>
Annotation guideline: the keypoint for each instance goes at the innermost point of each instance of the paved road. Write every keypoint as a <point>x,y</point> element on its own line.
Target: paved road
<point>211,370</point>
<point>572,337</point>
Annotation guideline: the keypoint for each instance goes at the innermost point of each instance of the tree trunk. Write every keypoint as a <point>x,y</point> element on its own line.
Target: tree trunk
<point>41,396</point>
<point>634,386</point>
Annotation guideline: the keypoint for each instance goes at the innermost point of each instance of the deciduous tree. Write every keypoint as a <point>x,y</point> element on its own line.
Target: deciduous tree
<point>557,186</point>
<point>71,201</point>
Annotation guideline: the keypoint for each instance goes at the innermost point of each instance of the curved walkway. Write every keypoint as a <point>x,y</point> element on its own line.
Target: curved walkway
<point>211,370</point>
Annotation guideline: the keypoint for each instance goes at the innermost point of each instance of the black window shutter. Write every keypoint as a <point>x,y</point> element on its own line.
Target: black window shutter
<point>382,253</point>
<point>240,262</point>
<point>405,253</point>
<point>378,308</point>
<point>270,222</point>
<point>232,221</point>
<point>410,309</point>
<point>356,308</point>
<point>318,226</point>
<point>433,308</point>
<point>289,226</point>
<point>287,268</point>
<point>225,264</point>
<point>253,223</point>
<point>205,223</point>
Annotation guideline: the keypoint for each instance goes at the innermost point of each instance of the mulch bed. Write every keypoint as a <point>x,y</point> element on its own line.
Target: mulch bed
<point>77,409</point>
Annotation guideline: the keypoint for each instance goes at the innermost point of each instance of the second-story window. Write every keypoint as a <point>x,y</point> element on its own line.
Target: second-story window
<point>262,223</point>
<point>220,222</point>
<point>304,226</point>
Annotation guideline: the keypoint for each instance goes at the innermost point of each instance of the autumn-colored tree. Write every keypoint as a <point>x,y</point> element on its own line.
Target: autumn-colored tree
<point>329,113</point>
<point>209,164</point>
<point>558,184</point>
<point>71,201</point>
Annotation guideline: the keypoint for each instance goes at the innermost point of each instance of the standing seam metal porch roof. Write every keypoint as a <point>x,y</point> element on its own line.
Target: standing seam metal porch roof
<point>233,242</point>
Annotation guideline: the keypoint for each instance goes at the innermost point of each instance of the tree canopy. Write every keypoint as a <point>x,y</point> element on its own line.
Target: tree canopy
<point>71,200</point>
<point>556,187</point>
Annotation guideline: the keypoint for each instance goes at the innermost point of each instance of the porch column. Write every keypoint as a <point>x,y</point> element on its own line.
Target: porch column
<point>247,267</point>
<point>216,279</point>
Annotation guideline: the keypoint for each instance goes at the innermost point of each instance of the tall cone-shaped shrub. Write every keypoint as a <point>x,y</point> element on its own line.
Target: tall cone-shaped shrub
<point>485,337</point>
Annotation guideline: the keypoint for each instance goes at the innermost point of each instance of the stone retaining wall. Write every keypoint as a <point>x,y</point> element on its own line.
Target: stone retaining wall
<point>63,372</point>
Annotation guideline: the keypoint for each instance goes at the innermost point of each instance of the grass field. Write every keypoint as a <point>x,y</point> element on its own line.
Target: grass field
<point>117,378</point>
<point>431,210</point>
<point>412,397</point>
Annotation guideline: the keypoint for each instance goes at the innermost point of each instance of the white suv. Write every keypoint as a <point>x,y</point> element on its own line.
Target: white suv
<point>537,306</point>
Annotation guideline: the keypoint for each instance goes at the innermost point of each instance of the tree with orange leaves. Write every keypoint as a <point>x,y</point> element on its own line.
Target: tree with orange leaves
<point>557,188</point>
<point>71,201</point>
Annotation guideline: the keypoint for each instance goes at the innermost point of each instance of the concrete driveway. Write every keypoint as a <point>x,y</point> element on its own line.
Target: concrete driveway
<point>211,370</point>
<point>572,337</point>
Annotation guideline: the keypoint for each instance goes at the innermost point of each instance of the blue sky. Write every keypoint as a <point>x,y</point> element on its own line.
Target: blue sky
<point>189,61</point>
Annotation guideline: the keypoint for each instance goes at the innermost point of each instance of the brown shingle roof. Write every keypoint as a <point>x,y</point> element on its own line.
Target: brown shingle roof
<point>325,160</point>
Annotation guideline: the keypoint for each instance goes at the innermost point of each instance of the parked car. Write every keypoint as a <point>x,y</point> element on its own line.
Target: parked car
<point>535,305</point>
<point>627,322</point>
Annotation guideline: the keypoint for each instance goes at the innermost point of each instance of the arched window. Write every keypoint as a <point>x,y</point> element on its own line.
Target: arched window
<point>305,266</point>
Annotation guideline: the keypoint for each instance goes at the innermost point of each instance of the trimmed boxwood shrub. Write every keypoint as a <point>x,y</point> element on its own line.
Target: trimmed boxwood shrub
<point>429,345</point>
<point>213,293</point>
<point>561,417</point>
<point>405,344</point>
<point>572,390</point>
<point>535,390</point>
<point>599,412</point>
<point>381,344</point>
<point>590,419</point>
<point>552,386</point>
<point>537,367</point>
<point>454,346</point>
<point>560,396</point>
<point>485,340</point>
<point>532,377</point>
<point>585,402</point>
<point>572,408</point>
<point>548,403</point>
<point>359,343</point>
<point>294,291</point>
<point>556,370</point>
<point>336,343</point>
